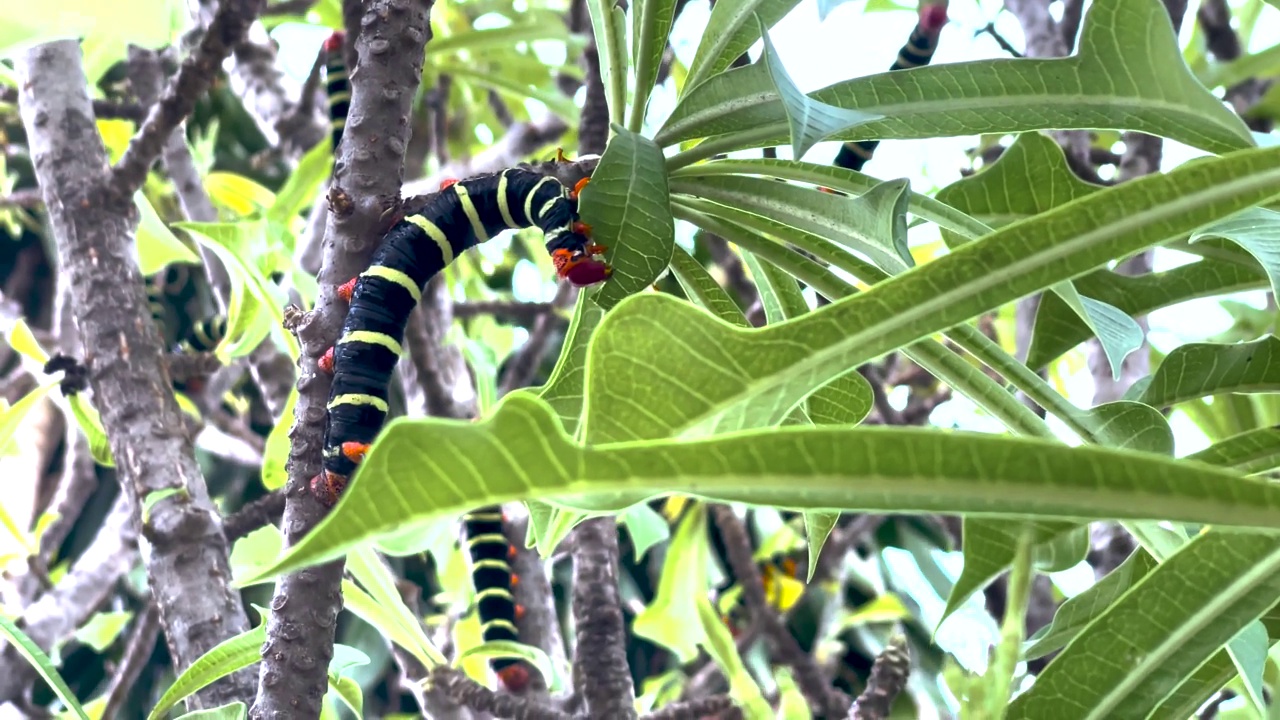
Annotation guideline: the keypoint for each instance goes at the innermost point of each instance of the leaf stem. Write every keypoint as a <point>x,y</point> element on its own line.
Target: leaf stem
<point>1004,663</point>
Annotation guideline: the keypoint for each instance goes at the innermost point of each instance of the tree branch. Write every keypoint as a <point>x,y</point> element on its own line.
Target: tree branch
<point>600,671</point>
<point>192,81</point>
<point>888,677</point>
<point>389,40</point>
<point>183,545</point>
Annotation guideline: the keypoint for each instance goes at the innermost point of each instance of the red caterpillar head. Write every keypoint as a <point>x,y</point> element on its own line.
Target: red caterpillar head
<point>933,17</point>
<point>335,41</point>
<point>515,678</point>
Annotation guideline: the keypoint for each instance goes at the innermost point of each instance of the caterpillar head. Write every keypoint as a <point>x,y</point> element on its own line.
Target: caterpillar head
<point>334,41</point>
<point>933,17</point>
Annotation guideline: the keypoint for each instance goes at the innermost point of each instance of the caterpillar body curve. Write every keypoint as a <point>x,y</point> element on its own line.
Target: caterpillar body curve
<point>917,52</point>
<point>418,246</point>
<point>490,554</point>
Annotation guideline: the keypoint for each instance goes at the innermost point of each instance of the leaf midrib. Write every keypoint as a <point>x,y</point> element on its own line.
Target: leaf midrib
<point>868,336</point>
<point>1222,601</point>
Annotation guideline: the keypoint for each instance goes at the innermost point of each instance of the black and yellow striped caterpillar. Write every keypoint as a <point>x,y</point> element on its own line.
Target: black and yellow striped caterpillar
<point>460,216</point>
<point>421,244</point>
<point>491,574</point>
<point>337,85</point>
<point>917,52</point>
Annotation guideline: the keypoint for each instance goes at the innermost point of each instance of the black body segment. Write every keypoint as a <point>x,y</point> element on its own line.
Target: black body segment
<point>489,552</point>
<point>917,52</point>
<point>415,249</point>
<point>337,88</point>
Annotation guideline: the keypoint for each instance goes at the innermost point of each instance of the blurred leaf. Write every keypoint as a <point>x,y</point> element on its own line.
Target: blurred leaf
<point>103,629</point>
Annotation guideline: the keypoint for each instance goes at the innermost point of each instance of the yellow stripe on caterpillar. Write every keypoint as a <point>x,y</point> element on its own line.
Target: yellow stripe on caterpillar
<point>469,208</point>
<point>359,399</point>
<point>399,277</point>
<point>503,206</point>
<point>370,337</point>
<point>547,206</point>
<point>499,592</point>
<point>484,627</point>
<point>491,565</point>
<point>434,232</point>
<point>483,517</point>
<point>528,200</point>
<point>490,538</point>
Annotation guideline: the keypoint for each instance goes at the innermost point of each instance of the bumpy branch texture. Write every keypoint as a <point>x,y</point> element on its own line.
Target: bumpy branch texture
<point>888,677</point>
<point>600,671</point>
<point>182,542</point>
<point>389,42</point>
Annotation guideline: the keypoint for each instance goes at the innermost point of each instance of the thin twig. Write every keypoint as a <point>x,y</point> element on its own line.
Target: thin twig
<point>260,513</point>
<point>888,677</point>
<point>192,81</point>
<point>136,654</point>
<point>692,709</point>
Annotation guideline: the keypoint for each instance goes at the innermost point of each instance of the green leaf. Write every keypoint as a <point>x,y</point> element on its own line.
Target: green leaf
<point>299,191</point>
<point>703,289</point>
<point>228,656</point>
<point>39,660</point>
<point>668,619</point>
<point>837,178</point>
<point>1058,328</point>
<point>90,423</point>
<point>157,245</point>
<point>627,206</point>
<point>532,25</point>
<point>11,418</point>
<point>608,25</point>
<point>1174,619</point>
<point>720,645</point>
<point>1128,74</point>
<point>646,528</point>
<point>1032,177</point>
<point>843,401</point>
<point>810,121</point>
<point>1253,451</point>
<point>103,629</point>
<point>349,692</point>
<point>254,551</point>
<point>230,711</point>
<point>254,310</point>
<point>105,29</point>
<point>566,387</point>
<point>377,580</point>
<point>733,378</point>
<point>521,452</point>
<point>1257,230</point>
<point>275,453</point>
<point>385,621</point>
<point>873,224</point>
<point>1198,369</point>
<point>1191,695</point>
<point>729,33</point>
<point>19,337</point>
<point>556,101</point>
<point>1076,613</point>
<point>650,26</point>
